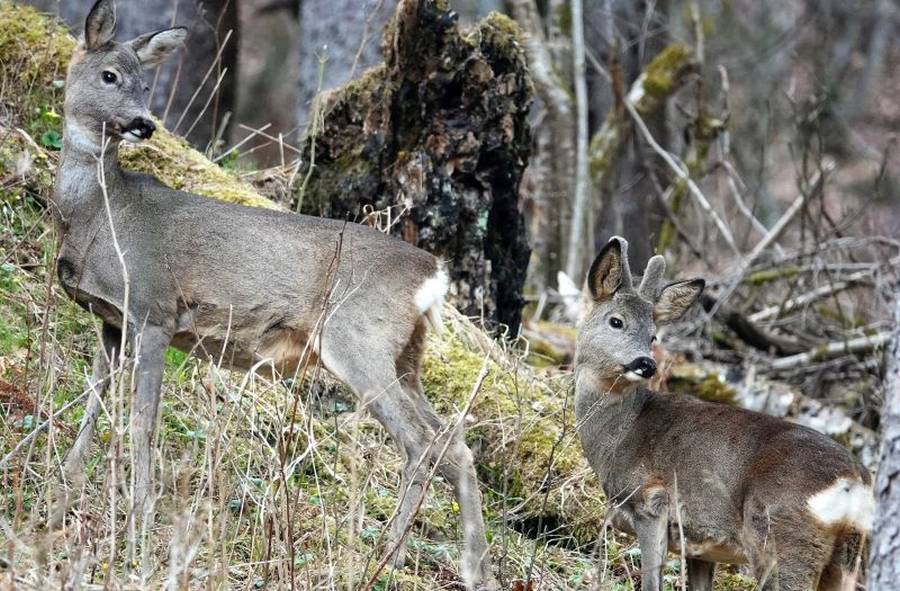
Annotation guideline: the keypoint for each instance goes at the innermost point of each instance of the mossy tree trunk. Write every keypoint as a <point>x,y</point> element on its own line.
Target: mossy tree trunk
<point>628,206</point>
<point>439,132</point>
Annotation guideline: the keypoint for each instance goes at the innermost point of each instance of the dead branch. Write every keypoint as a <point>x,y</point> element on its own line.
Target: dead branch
<point>748,331</point>
<point>800,301</point>
<point>830,350</point>
<point>681,171</point>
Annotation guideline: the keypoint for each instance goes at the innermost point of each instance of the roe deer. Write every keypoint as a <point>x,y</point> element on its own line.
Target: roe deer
<point>749,488</point>
<point>240,284</point>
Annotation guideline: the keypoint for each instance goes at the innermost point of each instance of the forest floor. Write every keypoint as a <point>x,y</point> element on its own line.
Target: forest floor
<point>262,484</point>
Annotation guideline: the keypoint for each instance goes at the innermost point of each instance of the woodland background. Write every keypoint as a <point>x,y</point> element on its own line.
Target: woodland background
<point>752,142</point>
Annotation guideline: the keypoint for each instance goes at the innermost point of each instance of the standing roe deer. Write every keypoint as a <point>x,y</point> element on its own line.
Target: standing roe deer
<point>749,488</point>
<point>240,284</point>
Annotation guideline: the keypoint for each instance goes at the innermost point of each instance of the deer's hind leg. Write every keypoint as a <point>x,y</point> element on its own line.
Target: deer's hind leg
<point>790,554</point>
<point>391,394</point>
<point>842,571</point>
<point>457,467</point>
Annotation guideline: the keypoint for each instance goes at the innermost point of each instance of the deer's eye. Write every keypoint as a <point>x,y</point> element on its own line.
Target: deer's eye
<point>616,323</point>
<point>108,77</point>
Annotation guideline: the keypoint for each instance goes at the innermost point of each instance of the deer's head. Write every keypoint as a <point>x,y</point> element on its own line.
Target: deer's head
<point>616,335</point>
<point>105,88</point>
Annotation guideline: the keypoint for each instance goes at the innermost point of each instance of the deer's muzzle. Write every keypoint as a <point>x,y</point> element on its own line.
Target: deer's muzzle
<point>642,367</point>
<point>140,128</point>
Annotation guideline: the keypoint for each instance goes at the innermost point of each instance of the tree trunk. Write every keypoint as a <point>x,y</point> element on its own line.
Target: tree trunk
<point>438,131</point>
<point>884,557</point>
<point>550,176</point>
<point>176,81</point>
<point>626,198</point>
<point>267,94</point>
<point>666,73</point>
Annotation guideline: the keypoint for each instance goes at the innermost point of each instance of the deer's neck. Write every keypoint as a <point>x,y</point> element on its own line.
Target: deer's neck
<point>81,181</point>
<point>604,417</point>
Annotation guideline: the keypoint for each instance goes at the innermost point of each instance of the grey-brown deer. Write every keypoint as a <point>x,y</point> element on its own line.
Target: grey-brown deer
<point>723,483</point>
<point>248,286</point>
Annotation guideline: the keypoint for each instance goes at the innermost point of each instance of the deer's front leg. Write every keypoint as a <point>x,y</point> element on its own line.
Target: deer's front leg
<point>151,346</point>
<point>651,525</point>
<point>96,386</point>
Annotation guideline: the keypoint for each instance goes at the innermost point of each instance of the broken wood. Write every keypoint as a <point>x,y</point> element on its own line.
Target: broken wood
<point>438,130</point>
<point>831,350</point>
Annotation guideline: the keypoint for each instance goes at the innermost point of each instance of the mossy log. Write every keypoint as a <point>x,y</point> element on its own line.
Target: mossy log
<point>439,131</point>
<point>663,76</point>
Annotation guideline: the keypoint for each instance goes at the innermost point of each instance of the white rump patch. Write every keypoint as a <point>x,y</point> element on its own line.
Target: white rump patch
<point>430,296</point>
<point>846,501</point>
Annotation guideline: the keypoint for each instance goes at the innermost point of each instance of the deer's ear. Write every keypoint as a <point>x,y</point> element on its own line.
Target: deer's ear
<point>100,25</point>
<point>154,48</point>
<point>607,271</point>
<point>675,299</point>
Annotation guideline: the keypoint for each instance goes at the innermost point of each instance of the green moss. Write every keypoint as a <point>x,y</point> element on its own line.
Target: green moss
<point>663,72</point>
<point>715,389</point>
<point>564,18</point>
<point>706,386</point>
<point>37,49</point>
<point>170,159</point>
<point>523,426</point>
<point>728,579</point>
<point>604,144</point>
<point>769,275</point>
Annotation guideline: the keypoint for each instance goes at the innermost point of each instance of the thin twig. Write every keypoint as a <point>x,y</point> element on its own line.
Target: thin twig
<point>680,171</point>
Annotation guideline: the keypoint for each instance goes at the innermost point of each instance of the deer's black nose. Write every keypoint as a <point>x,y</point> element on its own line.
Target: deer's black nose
<point>141,127</point>
<point>642,366</point>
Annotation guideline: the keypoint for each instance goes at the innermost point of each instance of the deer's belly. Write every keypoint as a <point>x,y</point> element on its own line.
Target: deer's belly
<point>709,549</point>
<point>245,342</point>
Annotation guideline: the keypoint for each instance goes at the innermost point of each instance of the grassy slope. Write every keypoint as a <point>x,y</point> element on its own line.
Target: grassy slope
<point>228,446</point>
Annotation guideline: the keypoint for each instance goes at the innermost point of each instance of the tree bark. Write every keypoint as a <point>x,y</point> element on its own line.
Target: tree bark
<point>550,176</point>
<point>575,257</point>
<point>627,207</point>
<point>440,131</point>
<point>884,557</point>
<point>175,82</point>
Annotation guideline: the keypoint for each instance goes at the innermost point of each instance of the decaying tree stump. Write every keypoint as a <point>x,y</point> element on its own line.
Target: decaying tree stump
<point>438,132</point>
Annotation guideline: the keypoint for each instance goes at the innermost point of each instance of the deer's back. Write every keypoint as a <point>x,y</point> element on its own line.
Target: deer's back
<point>248,276</point>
